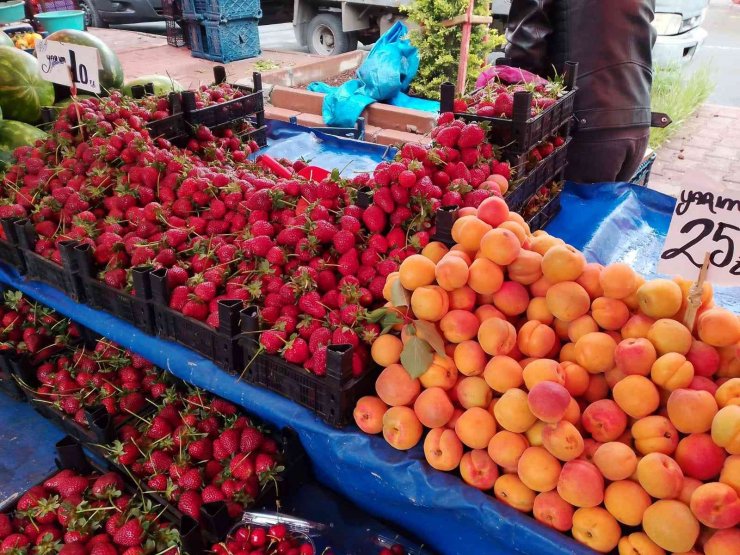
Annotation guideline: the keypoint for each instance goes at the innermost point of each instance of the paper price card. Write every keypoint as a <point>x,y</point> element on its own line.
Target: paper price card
<point>69,64</point>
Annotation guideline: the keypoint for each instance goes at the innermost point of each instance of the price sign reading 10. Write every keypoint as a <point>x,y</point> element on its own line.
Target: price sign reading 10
<point>69,64</point>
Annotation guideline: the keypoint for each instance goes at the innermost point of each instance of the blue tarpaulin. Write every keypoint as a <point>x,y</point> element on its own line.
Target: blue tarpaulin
<point>609,222</point>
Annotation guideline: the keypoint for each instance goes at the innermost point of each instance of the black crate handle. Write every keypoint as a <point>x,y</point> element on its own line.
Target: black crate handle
<point>71,456</point>
<point>216,518</point>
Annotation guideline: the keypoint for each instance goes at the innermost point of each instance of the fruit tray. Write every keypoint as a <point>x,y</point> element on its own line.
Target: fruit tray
<point>332,396</point>
<point>9,251</point>
<point>219,345</point>
<point>135,310</point>
<point>226,112</point>
<point>542,173</point>
<point>546,214</point>
<point>71,456</point>
<point>522,132</point>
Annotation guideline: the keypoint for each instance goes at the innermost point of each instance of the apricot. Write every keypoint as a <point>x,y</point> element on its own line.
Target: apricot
<point>576,378</point>
<point>538,469</point>
<point>509,489</point>
<point>672,371</point>
<point>541,370</point>
<point>699,457</point>
<point>595,352</point>
<point>526,268</point>
<point>503,373</point>
<point>669,336</point>
<point>548,401</point>
<point>485,277</point>
<point>716,505</point>
<point>723,542</point>
<point>609,314</point>
<point>442,449</point>
<point>401,429</point>
<point>638,543</point>
<point>386,350</point>
<point>544,242</point>
<point>534,433</point>
<point>567,300</point>
<point>581,484</point>
<point>655,434</point>
<point>718,327</point>
<point>598,388</point>
<point>536,339</point>
<point>551,510</point>
<point>637,326</point>
<point>473,391</point>
<point>730,474</point>
<point>368,414</point>
<point>501,246</point>
<point>430,303</point>
<point>660,476</point>
<point>441,373</point>
<point>618,280</point>
<point>470,358</point>
<point>462,298</point>
<point>458,326</point>
<point>562,263</point>
<point>512,411</point>
<point>659,298</point>
<point>637,396</point>
<point>487,311</point>
<point>478,470</point>
<point>596,528</point>
<point>691,411</point>
<point>493,211</point>
<point>563,441</point>
<point>505,448</point>
<point>573,413</point>
<point>704,358</point>
<point>496,336</point>
<point>670,524</point>
<point>729,361</point>
<point>687,489</point>
<point>561,328</point>
<point>475,427</point>
<point>604,420</point>
<point>511,298</point>
<point>626,501</point>
<point>635,356</point>
<point>416,271</point>
<point>615,460</point>
<point>458,250</point>
<point>469,234</point>
<point>434,251</point>
<point>589,280</point>
<point>726,429</point>
<point>396,387</point>
<point>537,310</point>
<point>568,353</point>
<point>433,407</point>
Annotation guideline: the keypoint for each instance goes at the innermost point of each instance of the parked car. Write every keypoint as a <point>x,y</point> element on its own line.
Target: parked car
<point>101,13</point>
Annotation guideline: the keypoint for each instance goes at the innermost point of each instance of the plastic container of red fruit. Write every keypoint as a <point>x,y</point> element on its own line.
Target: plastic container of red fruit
<point>10,252</point>
<point>331,396</point>
<point>545,171</point>
<point>220,113</point>
<point>134,308</point>
<point>522,131</point>
<point>546,213</point>
<point>270,534</point>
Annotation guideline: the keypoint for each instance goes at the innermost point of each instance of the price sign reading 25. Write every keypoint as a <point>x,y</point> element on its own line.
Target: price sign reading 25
<point>704,222</point>
<point>67,64</point>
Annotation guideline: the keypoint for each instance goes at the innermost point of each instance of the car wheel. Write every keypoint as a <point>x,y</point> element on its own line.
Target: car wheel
<point>92,16</point>
<point>326,38</point>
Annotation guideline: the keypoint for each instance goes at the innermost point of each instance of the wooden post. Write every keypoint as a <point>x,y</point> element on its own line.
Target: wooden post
<point>695,293</point>
<point>462,67</point>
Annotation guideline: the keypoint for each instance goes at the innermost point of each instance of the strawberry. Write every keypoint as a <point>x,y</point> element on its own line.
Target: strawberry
<point>159,428</point>
<point>272,340</point>
<point>229,440</point>
<point>205,291</point>
<point>349,263</point>
<point>190,480</point>
<point>195,309</point>
<point>264,462</point>
<point>14,543</point>
<point>343,241</point>
<point>374,218</point>
<point>201,449</point>
<point>310,303</point>
<point>53,482</point>
<point>296,351</point>
<point>131,534</point>
<point>212,493</point>
<point>190,503</point>
<point>384,199</point>
<point>251,440</point>
<point>103,549</point>
<point>471,136</point>
<point>448,136</point>
<point>109,484</point>
<point>6,527</point>
<point>504,105</point>
<point>71,486</point>
<point>242,466</point>
<point>342,335</point>
<point>158,482</point>
<point>321,336</point>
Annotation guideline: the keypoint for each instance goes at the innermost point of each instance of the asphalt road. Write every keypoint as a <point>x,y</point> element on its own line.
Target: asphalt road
<point>721,51</point>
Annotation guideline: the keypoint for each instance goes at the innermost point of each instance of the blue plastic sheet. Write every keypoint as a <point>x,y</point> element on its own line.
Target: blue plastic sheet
<point>403,100</point>
<point>323,150</point>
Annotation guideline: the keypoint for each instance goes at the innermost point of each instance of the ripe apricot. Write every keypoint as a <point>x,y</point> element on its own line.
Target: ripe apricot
<point>512,411</point>
<point>610,314</point>
<point>537,310</point>
<point>626,501</point>
<point>500,246</point>
<point>386,350</point>
<point>470,358</point>
<point>496,336</point>
<point>526,269</point>
<point>503,373</point>
<point>451,273</point>
<point>442,449</point>
<point>493,211</point>
<point>595,352</point>
<point>618,280</point>
<point>670,524</point>
<point>368,414</point>
<point>596,528</point>
<point>433,407</point>
<point>637,396</point>
<point>511,490</point>
<point>669,336</point>
<point>416,271</point>
<point>401,429</point>
<point>563,263</point>
<point>485,277</point>
<point>718,327</point>
<point>538,469</point>
<point>475,427</point>
<point>434,251</point>
<point>459,325</point>
<point>511,298</point>
<point>396,387</point>
<point>659,298</point>
<point>536,339</point>
<point>567,300</point>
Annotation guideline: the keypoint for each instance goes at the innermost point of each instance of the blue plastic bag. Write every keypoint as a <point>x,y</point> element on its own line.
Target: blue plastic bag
<point>391,64</point>
<point>403,100</point>
<point>343,104</point>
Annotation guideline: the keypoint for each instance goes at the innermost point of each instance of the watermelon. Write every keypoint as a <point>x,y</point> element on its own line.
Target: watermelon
<point>67,101</point>
<point>110,75</point>
<point>5,40</point>
<point>162,84</point>
<point>14,134</point>
<point>22,90</point>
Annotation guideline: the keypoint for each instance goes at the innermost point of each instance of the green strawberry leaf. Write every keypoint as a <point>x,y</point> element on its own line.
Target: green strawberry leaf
<point>399,295</point>
<point>376,315</point>
<point>416,356</point>
<point>429,332</point>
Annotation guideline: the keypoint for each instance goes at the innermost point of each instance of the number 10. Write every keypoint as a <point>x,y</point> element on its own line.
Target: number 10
<point>79,74</point>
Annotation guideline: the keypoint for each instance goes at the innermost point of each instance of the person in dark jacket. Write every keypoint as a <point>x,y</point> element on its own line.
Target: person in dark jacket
<point>612,42</point>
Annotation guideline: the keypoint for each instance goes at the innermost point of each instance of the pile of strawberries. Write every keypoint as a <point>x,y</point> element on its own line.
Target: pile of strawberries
<point>199,449</point>
<point>76,514</point>
<point>496,98</point>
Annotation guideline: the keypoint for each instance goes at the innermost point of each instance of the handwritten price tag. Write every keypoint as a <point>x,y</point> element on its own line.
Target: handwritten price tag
<point>704,221</point>
<point>69,64</point>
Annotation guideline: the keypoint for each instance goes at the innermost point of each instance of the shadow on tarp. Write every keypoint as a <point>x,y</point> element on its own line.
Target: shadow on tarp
<point>622,222</point>
<point>285,140</point>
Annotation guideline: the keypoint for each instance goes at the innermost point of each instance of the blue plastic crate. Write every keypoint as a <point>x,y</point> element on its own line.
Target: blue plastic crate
<point>194,9</point>
<point>195,35</point>
<point>228,41</point>
<point>230,10</point>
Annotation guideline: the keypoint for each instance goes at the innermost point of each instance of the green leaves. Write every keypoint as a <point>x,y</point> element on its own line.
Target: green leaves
<point>386,318</point>
<point>429,333</point>
<point>399,295</point>
<point>416,356</point>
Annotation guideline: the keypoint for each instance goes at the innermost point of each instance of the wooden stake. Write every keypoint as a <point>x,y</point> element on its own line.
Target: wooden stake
<point>695,294</point>
<point>462,67</point>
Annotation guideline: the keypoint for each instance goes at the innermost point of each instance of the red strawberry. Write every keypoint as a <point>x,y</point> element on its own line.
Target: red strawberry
<point>190,503</point>
<point>504,105</point>
<point>272,340</point>
<point>384,199</point>
<point>264,462</point>
<point>190,480</point>
<point>230,441</point>
<point>345,335</point>
<point>14,543</point>
<point>53,482</point>
<point>160,428</point>
<point>201,449</point>
<point>471,136</point>
<point>195,309</point>
<point>296,351</point>
<point>407,179</point>
<point>72,485</point>
<point>310,303</point>
<point>212,494</point>
<point>158,482</point>
<point>242,466</point>
<point>374,218</point>
<point>448,136</point>
<point>103,549</point>
<point>343,241</point>
<point>205,291</point>
<point>6,527</point>
<point>251,440</point>
<point>109,484</point>
<point>130,534</point>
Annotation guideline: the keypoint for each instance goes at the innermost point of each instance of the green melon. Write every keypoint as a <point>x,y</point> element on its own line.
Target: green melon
<point>162,84</point>
<point>22,89</point>
<point>5,40</point>
<point>110,75</point>
<point>14,134</point>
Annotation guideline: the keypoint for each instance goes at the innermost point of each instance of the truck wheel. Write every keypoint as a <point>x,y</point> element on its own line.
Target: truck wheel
<point>92,16</point>
<point>326,38</point>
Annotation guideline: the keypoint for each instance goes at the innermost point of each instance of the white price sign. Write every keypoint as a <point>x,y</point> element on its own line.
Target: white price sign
<point>705,220</point>
<point>69,64</point>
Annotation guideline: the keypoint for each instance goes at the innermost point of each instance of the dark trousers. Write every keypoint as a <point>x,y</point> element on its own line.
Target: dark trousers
<point>600,155</point>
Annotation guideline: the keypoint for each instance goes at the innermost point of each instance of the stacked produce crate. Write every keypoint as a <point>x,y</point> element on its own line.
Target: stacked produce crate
<point>172,11</point>
<point>222,30</point>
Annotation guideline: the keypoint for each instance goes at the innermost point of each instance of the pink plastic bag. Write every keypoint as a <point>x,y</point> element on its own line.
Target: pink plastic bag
<point>509,75</point>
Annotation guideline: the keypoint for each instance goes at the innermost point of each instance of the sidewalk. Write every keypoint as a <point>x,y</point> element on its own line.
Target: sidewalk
<point>709,142</point>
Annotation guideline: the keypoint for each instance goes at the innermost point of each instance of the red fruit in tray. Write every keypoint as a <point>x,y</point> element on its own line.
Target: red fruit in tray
<point>201,449</point>
<point>448,136</point>
<point>471,136</point>
<point>108,485</point>
<point>211,494</point>
<point>75,536</point>
<point>546,148</point>
<point>158,482</point>
<point>32,496</point>
<point>131,534</point>
<point>72,486</point>
<point>190,503</point>
<point>242,466</point>
<point>14,541</point>
<point>6,527</point>
<point>374,218</point>
<point>504,105</point>
<point>296,351</point>
<point>73,549</point>
<point>258,537</point>
<point>195,309</point>
<point>159,428</point>
<point>190,480</point>
<point>47,533</point>
<point>132,403</point>
<point>103,549</point>
<point>53,482</point>
<point>460,105</point>
<point>264,462</point>
<point>230,440</point>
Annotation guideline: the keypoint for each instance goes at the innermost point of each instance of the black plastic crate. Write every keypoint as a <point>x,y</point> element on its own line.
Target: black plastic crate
<point>642,174</point>
<point>175,34</point>
<point>10,253</point>
<point>135,308</point>
<point>332,396</point>
<point>218,345</point>
<point>238,109</point>
<point>541,174</point>
<point>172,9</point>
<point>8,384</point>
<point>171,128</point>
<point>522,132</point>
<point>546,214</point>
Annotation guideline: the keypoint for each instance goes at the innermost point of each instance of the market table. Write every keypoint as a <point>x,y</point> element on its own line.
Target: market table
<point>609,222</point>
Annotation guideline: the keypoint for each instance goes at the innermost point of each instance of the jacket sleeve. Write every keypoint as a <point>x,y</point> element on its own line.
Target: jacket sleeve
<point>527,34</point>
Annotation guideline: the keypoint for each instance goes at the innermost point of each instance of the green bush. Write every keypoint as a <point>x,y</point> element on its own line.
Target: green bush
<point>439,47</point>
